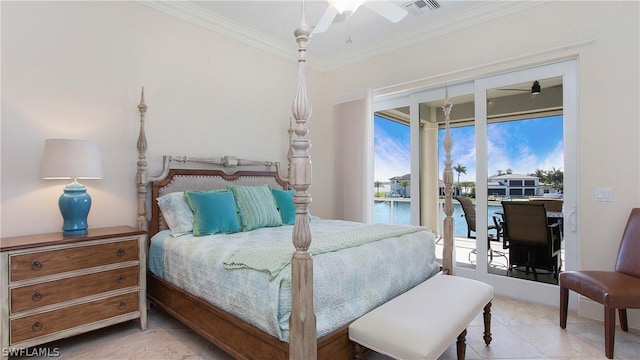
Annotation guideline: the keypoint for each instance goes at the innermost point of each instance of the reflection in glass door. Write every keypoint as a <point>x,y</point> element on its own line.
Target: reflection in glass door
<point>392,166</point>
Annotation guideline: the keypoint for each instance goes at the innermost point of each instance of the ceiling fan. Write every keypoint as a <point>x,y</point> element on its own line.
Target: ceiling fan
<point>535,89</point>
<point>346,8</point>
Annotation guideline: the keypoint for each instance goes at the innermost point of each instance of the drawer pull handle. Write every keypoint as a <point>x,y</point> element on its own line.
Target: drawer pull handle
<point>122,305</point>
<point>120,252</point>
<point>120,279</point>
<point>37,326</point>
<point>37,296</point>
<point>36,265</point>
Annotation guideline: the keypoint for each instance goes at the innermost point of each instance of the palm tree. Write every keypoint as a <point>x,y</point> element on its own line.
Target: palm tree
<point>460,169</point>
<point>404,184</point>
<point>377,184</point>
<point>556,178</point>
<point>466,187</point>
<point>553,178</point>
<point>540,174</point>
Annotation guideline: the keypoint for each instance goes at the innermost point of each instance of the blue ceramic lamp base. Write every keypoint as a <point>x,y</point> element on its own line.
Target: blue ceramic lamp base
<point>74,206</point>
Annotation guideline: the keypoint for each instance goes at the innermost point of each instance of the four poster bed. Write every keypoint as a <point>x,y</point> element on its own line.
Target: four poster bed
<point>236,279</point>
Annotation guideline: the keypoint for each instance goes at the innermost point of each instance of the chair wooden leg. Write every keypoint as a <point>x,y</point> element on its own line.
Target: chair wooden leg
<point>461,345</point>
<point>564,305</point>
<point>486,314</point>
<point>609,331</point>
<point>622,313</point>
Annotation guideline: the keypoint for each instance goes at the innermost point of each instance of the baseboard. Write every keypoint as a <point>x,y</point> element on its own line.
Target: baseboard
<point>593,310</point>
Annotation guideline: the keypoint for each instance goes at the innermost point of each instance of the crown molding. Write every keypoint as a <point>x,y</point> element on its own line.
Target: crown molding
<point>225,26</point>
<point>481,13</point>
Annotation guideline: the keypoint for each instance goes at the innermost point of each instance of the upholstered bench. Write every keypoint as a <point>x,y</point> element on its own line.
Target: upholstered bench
<point>424,321</point>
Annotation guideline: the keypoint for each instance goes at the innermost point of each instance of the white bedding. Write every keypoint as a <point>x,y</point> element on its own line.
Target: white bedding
<point>347,283</point>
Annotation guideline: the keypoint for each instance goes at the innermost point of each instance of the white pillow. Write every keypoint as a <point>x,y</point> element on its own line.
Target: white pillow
<point>176,213</point>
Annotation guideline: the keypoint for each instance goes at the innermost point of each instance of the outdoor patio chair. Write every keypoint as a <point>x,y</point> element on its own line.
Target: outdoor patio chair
<point>619,289</point>
<point>549,204</point>
<point>469,211</point>
<point>531,240</point>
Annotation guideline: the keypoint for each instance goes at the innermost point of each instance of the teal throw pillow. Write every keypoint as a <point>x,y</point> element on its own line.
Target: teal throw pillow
<point>256,206</point>
<point>214,212</point>
<point>284,200</point>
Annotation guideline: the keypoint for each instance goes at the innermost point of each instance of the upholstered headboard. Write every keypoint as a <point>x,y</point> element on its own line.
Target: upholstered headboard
<point>197,174</point>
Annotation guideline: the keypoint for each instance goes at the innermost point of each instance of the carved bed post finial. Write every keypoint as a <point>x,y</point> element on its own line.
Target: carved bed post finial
<point>141,174</point>
<point>302,323</point>
<point>448,262</point>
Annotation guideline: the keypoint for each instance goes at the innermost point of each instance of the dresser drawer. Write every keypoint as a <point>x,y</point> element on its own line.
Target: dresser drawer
<point>36,264</point>
<point>66,318</point>
<point>51,292</point>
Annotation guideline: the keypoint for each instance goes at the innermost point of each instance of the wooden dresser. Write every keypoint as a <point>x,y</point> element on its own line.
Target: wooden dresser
<point>55,286</point>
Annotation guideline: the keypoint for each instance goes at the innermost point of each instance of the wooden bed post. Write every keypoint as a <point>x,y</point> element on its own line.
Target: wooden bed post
<point>448,261</point>
<point>141,175</point>
<point>302,323</point>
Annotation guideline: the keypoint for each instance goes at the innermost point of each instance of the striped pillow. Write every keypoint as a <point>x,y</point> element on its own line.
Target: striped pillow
<point>256,206</point>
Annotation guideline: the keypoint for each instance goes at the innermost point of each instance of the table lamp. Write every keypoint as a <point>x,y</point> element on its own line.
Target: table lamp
<point>72,159</point>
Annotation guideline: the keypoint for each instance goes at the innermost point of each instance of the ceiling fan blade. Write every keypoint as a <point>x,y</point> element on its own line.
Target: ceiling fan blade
<point>389,10</point>
<point>326,20</point>
<point>516,89</point>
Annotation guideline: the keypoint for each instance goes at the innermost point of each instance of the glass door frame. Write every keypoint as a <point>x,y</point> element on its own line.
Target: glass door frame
<point>428,95</point>
<point>567,69</point>
<point>525,289</point>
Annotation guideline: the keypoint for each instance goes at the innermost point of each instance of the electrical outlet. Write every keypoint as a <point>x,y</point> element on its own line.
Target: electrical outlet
<point>604,194</point>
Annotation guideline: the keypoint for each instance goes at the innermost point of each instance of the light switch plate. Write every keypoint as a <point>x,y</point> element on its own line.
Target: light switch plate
<point>604,194</point>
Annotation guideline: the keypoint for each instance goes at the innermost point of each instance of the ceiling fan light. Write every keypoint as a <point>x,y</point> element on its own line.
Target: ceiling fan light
<point>535,88</point>
<point>346,6</point>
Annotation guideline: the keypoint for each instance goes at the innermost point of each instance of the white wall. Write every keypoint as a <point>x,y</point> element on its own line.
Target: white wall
<point>75,70</point>
<point>608,116</point>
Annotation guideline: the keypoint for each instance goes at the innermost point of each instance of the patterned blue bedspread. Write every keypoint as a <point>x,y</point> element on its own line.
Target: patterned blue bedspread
<point>347,283</point>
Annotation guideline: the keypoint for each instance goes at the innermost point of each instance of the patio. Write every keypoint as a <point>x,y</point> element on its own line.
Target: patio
<point>498,266</point>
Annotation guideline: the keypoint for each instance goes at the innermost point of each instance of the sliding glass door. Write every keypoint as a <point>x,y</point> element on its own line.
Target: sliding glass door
<point>395,189</point>
<point>514,138</point>
<point>525,149</point>
<point>525,164</point>
<point>431,155</point>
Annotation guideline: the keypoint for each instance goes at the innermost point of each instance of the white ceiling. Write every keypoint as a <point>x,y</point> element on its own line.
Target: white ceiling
<point>269,24</point>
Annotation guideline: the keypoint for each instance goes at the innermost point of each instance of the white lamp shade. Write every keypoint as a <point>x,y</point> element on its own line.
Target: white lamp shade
<point>70,158</point>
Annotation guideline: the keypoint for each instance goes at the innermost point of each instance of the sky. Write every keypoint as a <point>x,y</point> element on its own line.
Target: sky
<point>522,146</point>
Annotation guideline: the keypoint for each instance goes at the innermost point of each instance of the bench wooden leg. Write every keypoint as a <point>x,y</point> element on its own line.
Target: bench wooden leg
<point>487,323</point>
<point>461,345</point>
<point>359,351</point>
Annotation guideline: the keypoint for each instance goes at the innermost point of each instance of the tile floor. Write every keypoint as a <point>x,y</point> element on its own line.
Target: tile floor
<point>520,330</point>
